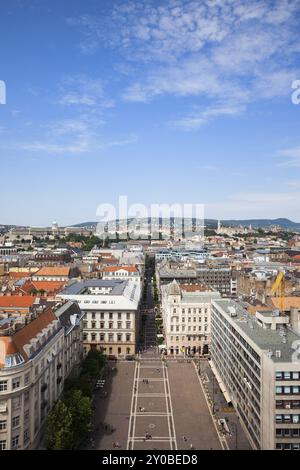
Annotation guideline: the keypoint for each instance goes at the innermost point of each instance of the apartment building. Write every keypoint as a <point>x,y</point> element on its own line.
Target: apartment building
<point>186,310</point>
<point>12,305</point>
<point>37,353</point>
<point>131,273</point>
<point>219,278</point>
<point>255,359</point>
<point>111,314</point>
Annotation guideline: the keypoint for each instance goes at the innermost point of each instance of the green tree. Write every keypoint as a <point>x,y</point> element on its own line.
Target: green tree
<point>59,428</point>
<point>80,409</point>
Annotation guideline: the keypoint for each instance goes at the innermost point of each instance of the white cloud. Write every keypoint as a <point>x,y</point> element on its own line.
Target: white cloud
<point>84,91</point>
<point>290,157</point>
<point>198,118</point>
<point>231,50</point>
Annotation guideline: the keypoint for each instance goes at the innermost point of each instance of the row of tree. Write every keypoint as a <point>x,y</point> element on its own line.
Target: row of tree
<point>69,422</point>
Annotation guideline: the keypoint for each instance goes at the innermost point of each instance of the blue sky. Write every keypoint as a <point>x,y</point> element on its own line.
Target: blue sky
<point>163,101</point>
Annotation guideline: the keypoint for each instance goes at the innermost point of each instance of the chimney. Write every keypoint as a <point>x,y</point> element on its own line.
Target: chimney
<point>295,319</point>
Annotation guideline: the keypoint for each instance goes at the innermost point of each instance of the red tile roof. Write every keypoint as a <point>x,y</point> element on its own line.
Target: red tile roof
<point>53,271</point>
<point>30,331</point>
<point>16,301</point>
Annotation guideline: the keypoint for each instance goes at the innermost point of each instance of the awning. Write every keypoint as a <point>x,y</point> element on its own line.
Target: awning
<point>220,383</point>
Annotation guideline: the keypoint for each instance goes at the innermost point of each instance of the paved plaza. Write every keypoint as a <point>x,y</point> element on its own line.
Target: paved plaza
<point>152,404</point>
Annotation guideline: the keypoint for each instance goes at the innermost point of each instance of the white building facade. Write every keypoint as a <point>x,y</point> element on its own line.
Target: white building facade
<point>111,314</point>
<point>186,313</point>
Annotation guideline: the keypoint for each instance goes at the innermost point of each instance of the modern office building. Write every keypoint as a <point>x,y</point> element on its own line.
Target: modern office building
<point>111,314</point>
<point>257,365</point>
<point>186,310</point>
<point>219,278</point>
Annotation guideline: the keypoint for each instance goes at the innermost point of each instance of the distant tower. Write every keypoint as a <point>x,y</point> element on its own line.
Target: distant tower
<point>219,225</point>
<point>54,226</point>
<point>250,227</point>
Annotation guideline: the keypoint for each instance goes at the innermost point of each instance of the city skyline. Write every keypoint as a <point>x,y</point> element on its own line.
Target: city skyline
<point>164,101</point>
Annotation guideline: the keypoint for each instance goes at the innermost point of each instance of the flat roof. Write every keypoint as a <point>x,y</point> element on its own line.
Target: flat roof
<point>265,339</point>
<point>77,288</point>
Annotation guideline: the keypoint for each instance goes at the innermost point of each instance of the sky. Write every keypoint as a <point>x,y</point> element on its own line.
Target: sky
<point>162,101</point>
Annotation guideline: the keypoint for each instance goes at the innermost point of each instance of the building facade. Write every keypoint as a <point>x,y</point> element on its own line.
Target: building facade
<point>111,314</point>
<point>36,356</point>
<point>186,310</point>
<point>255,361</point>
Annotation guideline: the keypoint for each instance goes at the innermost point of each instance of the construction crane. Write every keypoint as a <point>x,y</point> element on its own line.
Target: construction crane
<point>278,289</point>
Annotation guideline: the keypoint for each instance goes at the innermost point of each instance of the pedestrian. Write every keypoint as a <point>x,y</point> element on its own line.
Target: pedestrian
<point>184,438</point>
<point>191,447</point>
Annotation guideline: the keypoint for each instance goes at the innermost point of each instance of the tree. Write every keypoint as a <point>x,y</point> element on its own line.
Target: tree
<point>59,428</point>
<point>79,407</point>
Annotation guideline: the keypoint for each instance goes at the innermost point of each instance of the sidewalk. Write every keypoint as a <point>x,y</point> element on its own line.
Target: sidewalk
<point>235,436</point>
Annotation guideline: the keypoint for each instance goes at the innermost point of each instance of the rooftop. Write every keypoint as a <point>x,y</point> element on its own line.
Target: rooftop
<point>81,287</point>
<point>53,271</point>
<point>265,339</point>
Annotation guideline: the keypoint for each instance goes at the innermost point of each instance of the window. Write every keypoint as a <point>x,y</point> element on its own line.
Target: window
<point>101,337</point>
<point>93,336</point>
<point>2,406</point>
<point>128,325</point>
<point>16,402</point>
<point>110,325</point>
<point>26,436</point>
<point>119,315</point>
<point>110,316</point>
<point>2,445</point>
<point>3,385</point>
<point>2,424</point>
<point>93,316</point>
<point>26,378</point>
<point>93,324</point>
<point>102,315</point>
<point>15,421</point>
<point>119,325</point>
<point>26,415</point>
<point>110,337</point>
<point>287,375</point>
<point>295,375</point>
<point>119,336</point>
<point>128,336</point>
<point>16,383</point>
<point>15,442</point>
<point>128,316</point>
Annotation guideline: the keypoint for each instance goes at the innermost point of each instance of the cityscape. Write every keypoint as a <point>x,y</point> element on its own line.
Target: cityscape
<point>149,227</point>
